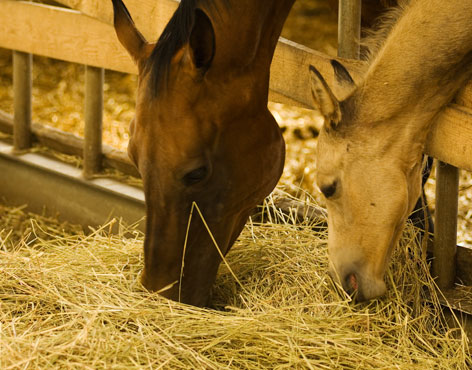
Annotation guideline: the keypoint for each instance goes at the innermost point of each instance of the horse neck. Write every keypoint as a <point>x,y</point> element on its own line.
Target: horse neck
<point>246,31</point>
<point>426,58</point>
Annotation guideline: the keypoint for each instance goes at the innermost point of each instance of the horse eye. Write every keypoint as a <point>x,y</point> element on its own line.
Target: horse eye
<point>195,176</point>
<point>329,190</point>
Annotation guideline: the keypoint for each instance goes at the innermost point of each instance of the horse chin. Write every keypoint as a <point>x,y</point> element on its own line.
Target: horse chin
<point>369,289</point>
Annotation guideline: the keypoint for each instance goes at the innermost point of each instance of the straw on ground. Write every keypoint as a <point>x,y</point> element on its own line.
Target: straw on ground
<point>73,300</point>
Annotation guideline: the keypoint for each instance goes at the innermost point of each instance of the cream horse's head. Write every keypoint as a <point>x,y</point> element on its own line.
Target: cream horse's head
<point>369,154</point>
<point>371,180</point>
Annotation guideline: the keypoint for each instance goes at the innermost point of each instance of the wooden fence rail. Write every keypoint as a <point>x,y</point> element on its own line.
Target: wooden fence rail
<point>22,86</point>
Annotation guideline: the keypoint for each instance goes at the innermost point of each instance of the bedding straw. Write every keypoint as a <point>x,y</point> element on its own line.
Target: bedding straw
<point>72,300</point>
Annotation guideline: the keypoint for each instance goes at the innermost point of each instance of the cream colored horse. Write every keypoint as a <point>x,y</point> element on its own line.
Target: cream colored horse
<point>369,154</point>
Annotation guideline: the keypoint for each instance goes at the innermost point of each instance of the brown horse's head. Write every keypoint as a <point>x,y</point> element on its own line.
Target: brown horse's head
<point>202,134</point>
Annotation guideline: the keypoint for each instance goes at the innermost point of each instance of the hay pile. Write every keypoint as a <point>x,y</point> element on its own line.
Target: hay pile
<point>70,300</point>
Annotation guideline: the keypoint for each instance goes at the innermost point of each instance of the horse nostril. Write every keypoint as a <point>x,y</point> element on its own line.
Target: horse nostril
<point>352,284</point>
<point>353,281</point>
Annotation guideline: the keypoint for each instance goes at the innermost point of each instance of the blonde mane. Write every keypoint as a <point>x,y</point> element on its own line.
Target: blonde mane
<point>374,38</point>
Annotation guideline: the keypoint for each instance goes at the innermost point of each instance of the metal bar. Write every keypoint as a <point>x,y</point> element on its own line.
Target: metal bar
<point>93,120</point>
<point>22,86</point>
<point>445,232</point>
<point>60,188</point>
<point>349,28</point>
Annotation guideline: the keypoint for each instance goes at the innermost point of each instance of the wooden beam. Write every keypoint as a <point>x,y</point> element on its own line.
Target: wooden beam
<point>459,298</point>
<point>450,137</point>
<point>93,117</point>
<point>289,73</point>
<point>61,34</point>
<point>22,87</point>
<point>464,263</point>
<point>349,28</point>
<point>464,97</point>
<point>445,225</point>
<point>146,14</point>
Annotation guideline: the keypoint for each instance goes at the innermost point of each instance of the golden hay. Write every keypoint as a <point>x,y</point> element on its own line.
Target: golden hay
<point>72,300</point>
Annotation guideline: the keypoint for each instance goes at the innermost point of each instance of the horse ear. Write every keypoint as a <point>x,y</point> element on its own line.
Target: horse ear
<point>128,34</point>
<point>324,99</point>
<point>344,83</point>
<point>201,44</point>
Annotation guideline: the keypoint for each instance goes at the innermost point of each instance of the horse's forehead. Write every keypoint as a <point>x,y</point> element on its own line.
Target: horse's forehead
<point>331,148</point>
<point>341,155</point>
<point>182,140</point>
<point>196,118</point>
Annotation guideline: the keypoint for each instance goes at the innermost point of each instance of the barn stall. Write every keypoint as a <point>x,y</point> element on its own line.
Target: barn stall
<point>271,296</point>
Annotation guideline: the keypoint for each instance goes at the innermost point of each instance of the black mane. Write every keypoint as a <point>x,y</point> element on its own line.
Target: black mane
<point>175,35</point>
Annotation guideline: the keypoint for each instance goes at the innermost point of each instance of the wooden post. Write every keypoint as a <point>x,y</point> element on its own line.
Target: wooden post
<point>445,228</point>
<point>93,120</point>
<point>349,28</point>
<point>22,86</point>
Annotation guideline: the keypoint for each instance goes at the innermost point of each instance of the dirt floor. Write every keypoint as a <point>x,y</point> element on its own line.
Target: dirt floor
<point>58,101</point>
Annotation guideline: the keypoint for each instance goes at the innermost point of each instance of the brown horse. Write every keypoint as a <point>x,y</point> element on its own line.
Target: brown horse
<point>202,134</point>
<point>369,154</point>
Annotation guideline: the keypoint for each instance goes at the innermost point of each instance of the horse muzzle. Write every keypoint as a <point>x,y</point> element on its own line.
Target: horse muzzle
<point>359,286</point>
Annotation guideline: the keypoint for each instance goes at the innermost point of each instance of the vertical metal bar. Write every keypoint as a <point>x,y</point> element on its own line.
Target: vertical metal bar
<point>349,28</point>
<point>445,228</point>
<point>22,87</point>
<point>93,120</point>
